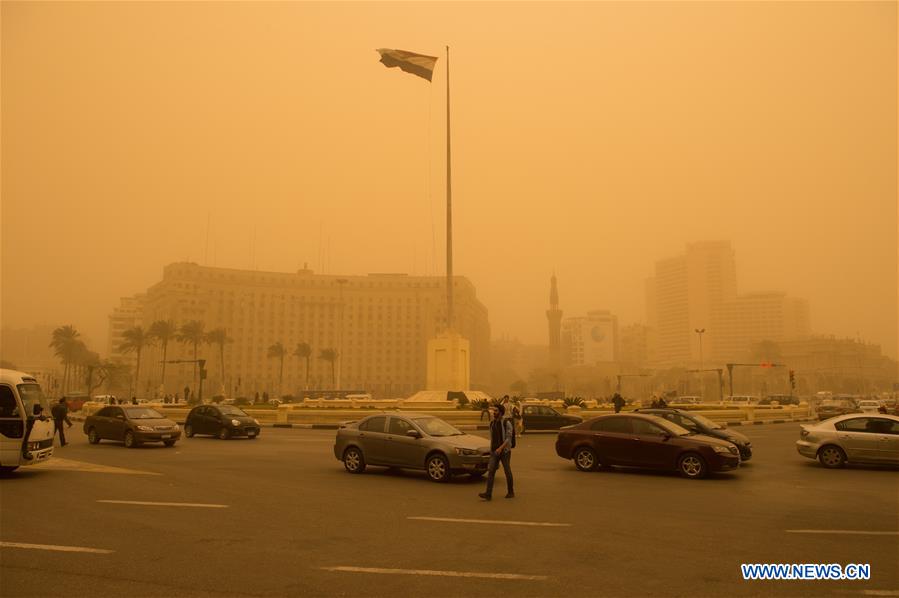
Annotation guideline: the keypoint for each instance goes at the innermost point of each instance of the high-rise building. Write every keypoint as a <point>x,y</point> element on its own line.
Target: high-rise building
<point>554,318</point>
<point>590,340</point>
<point>386,321</point>
<point>635,346</point>
<point>127,315</point>
<point>749,319</point>
<point>682,297</point>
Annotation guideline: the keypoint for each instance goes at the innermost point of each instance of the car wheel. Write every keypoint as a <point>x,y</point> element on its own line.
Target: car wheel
<point>92,436</point>
<point>168,442</point>
<point>188,430</point>
<point>585,458</point>
<point>438,469</point>
<point>832,457</point>
<point>353,460</point>
<point>692,466</point>
<point>130,442</point>
<point>224,433</point>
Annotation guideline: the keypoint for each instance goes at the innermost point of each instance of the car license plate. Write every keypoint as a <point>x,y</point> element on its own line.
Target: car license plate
<point>164,436</point>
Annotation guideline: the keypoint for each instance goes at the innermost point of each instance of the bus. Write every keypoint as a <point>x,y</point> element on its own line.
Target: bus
<point>26,424</point>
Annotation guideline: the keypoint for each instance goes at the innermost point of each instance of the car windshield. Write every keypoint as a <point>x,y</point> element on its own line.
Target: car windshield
<point>142,413</point>
<point>434,426</point>
<point>32,395</point>
<point>706,422</point>
<point>672,427</point>
<point>232,410</point>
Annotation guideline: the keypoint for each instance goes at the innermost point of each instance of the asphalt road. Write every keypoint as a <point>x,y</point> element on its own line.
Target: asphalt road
<point>289,521</point>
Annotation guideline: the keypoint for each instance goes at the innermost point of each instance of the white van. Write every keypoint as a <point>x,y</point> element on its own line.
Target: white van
<point>26,425</point>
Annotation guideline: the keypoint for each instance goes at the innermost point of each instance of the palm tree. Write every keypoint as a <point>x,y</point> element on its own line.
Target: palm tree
<point>63,344</point>
<point>278,351</point>
<point>304,351</point>
<point>135,340</point>
<point>193,333</point>
<point>164,331</point>
<point>329,355</point>
<point>219,336</point>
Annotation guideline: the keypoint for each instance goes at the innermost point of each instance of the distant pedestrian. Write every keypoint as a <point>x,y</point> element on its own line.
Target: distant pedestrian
<point>134,400</point>
<point>60,412</point>
<point>663,404</point>
<point>265,397</point>
<point>501,433</point>
<point>256,398</point>
<point>617,402</point>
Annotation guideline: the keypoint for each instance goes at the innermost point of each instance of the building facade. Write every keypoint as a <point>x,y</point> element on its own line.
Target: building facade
<point>378,324</point>
<point>590,340</point>
<point>128,314</point>
<point>752,318</point>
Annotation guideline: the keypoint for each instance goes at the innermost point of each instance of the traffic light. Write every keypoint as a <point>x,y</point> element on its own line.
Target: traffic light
<point>792,379</point>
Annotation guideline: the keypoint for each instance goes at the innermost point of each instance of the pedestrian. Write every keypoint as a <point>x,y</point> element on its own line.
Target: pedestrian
<point>618,402</point>
<point>60,414</point>
<point>134,400</point>
<point>501,434</point>
<point>256,398</point>
<point>663,404</point>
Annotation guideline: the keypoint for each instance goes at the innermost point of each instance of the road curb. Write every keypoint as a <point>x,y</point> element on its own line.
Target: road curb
<point>771,421</point>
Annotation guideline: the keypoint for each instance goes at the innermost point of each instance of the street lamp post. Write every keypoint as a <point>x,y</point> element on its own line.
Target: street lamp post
<point>340,283</point>
<point>699,332</point>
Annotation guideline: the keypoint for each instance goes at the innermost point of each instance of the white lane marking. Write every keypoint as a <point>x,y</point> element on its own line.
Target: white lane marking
<point>880,592</point>
<point>55,547</point>
<point>491,521</point>
<point>436,573</point>
<point>60,464</point>
<point>164,504</point>
<point>849,532</point>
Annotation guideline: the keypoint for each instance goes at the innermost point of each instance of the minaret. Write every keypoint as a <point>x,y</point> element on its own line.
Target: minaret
<point>554,316</point>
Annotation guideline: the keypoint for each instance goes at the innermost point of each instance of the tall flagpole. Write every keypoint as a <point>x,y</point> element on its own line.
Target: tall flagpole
<point>449,209</point>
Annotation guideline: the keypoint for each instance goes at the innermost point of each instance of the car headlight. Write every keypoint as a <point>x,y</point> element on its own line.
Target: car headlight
<point>176,427</point>
<point>467,452</point>
<point>235,423</point>
<point>721,449</point>
<point>145,428</point>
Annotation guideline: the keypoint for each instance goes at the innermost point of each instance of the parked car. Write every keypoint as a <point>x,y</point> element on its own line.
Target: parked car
<point>541,417</point>
<point>223,421</point>
<point>869,406</point>
<point>833,407</point>
<point>639,440</point>
<point>703,425</point>
<point>851,438</point>
<point>779,400</point>
<point>132,425</point>
<point>741,400</point>
<point>411,441</point>
<point>687,400</point>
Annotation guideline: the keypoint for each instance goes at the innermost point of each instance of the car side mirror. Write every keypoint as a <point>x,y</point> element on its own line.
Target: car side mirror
<point>666,436</point>
<point>413,433</point>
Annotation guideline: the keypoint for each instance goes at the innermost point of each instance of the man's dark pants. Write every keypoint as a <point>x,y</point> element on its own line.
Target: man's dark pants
<point>495,460</point>
<point>60,428</point>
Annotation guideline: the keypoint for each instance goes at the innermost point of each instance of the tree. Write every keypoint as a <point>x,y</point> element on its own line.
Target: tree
<point>135,340</point>
<point>193,333</point>
<point>219,336</point>
<point>164,331</point>
<point>331,356</point>
<point>304,351</point>
<point>277,351</point>
<point>64,344</point>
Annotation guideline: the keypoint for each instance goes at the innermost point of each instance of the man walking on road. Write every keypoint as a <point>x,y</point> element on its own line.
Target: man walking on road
<point>60,412</point>
<point>501,432</point>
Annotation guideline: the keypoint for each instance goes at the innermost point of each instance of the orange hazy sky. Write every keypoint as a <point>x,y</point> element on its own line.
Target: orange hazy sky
<point>589,139</point>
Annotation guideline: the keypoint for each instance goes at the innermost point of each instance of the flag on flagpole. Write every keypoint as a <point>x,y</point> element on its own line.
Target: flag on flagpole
<point>417,64</point>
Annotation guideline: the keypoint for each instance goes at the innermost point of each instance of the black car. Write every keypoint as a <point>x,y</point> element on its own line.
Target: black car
<point>131,425</point>
<point>541,417</point>
<point>223,421</point>
<point>703,425</point>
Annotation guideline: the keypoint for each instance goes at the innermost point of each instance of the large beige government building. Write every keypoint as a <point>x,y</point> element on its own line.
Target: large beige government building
<point>379,324</point>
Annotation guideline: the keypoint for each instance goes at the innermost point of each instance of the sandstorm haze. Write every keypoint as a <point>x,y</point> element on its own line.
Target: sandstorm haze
<point>589,140</point>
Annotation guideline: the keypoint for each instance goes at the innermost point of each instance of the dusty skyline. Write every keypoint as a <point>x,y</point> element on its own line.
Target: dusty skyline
<point>588,139</point>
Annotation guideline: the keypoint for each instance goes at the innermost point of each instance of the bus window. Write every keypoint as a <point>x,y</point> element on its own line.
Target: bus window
<point>33,395</point>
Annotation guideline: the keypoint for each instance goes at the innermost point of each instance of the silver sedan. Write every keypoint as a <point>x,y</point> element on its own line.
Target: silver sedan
<point>411,441</point>
<point>851,438</point>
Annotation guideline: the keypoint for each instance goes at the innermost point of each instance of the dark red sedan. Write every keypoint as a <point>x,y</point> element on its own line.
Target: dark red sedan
<point>648,441</point>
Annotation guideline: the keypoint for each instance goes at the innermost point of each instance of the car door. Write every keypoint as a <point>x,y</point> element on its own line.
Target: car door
<point>213,420</point>
<point>402,450</point>
<point>612,440</point>
<point>858,439</point>
<point>651,445</point>
<point>373,439</point>
<point>100,421</point>
<point>116,424</point>
<point>887,434</point>
<point>530,417</point>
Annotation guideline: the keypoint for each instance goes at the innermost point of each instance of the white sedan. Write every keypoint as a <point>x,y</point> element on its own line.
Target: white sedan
<point>869,406</point>
<point>851,438</point>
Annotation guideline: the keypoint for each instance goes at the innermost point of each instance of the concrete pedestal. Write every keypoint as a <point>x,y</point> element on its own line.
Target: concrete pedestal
<point>448,362</point>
